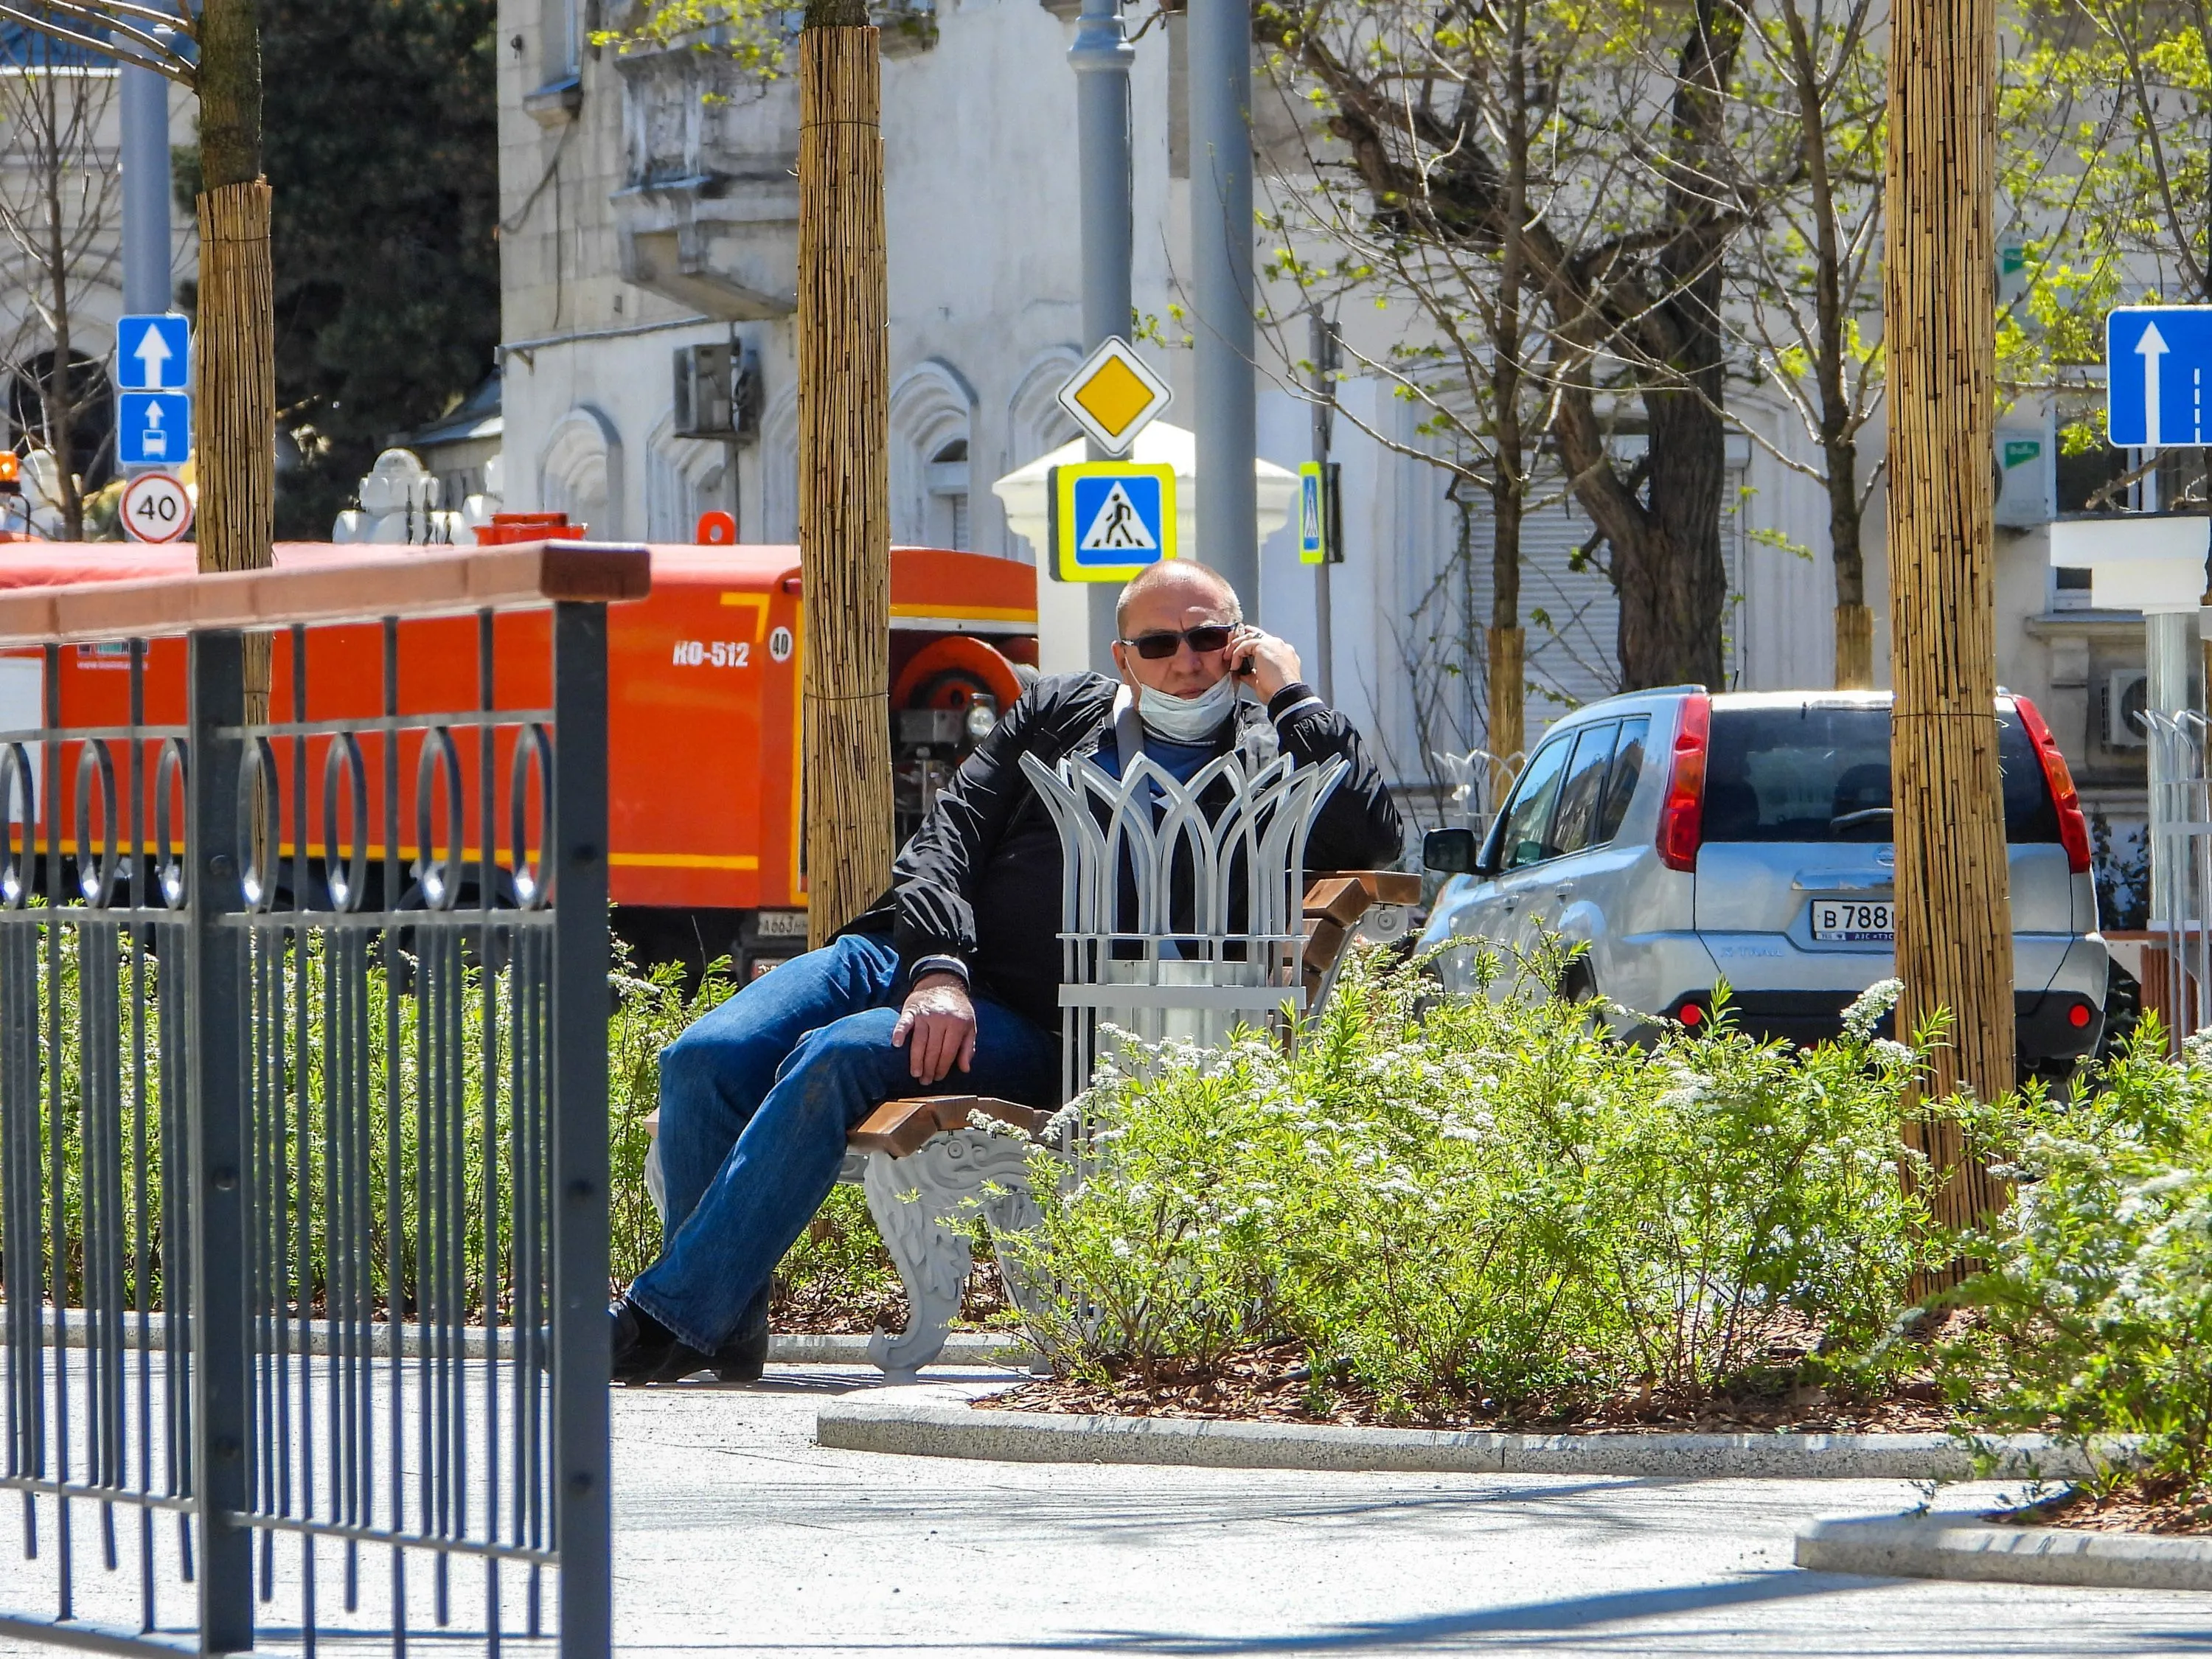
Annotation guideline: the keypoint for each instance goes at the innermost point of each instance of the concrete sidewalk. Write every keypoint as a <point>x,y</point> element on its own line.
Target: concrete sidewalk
<point>736,1534</point>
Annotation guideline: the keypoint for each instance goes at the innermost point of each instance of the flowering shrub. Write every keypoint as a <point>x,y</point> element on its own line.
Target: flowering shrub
<point>1483,1198</point>
<point>2094,1308</point>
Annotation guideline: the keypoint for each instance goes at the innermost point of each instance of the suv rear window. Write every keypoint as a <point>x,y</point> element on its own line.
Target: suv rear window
<point>1822,773</point>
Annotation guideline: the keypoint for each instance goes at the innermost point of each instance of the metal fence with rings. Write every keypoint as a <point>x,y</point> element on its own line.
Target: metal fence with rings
<point>303,1155</point>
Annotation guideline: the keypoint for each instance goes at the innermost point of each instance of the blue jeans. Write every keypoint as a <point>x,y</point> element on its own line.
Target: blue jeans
<point>756,1100</point>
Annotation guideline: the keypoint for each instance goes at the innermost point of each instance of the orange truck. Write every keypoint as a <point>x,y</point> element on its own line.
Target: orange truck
<point>703,789</point>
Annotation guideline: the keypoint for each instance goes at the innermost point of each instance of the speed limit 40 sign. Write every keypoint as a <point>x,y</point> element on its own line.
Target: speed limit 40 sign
<point>155,508</point>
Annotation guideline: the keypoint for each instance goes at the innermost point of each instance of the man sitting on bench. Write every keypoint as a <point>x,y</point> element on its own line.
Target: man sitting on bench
<point>957,968</point>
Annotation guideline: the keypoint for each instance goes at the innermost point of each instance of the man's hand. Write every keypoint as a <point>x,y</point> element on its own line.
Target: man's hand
<point>941,1020</point>
<point>1271,662</point>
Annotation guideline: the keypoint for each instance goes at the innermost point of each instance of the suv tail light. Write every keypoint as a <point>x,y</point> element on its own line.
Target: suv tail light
<point>2072,827</point>
<point>1682,816</point>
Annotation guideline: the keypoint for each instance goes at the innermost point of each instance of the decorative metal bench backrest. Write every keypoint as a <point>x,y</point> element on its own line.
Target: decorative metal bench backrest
<point>1178,921</point>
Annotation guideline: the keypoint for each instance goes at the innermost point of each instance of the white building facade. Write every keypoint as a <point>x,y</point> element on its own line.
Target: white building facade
<point>650,204</point>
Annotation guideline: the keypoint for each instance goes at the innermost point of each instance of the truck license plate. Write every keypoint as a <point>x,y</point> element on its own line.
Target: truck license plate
<point>780,924</point>
<point>1854,921</point>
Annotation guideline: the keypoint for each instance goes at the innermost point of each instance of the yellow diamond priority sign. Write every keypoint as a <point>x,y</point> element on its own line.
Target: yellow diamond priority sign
<point>1113,395</point>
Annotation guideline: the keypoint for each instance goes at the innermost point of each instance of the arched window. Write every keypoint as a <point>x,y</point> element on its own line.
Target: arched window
<point>1037,425</point>
<point>581,472</point>
<point>778,465</point>
<point>947,518</point>
<point>683,479</point>
<point>933,417</point>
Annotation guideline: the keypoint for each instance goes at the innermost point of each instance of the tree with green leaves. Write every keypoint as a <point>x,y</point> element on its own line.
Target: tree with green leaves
<point>1473,366</point>
<point>1806,146</point>
<point>1622,252</point>
<point>214,48</point>
<point>2105,158</point>
<point>59,186</point>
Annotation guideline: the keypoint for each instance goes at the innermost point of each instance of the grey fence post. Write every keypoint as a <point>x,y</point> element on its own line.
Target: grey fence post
<point>222,1371</point>
<point>579,1126</point>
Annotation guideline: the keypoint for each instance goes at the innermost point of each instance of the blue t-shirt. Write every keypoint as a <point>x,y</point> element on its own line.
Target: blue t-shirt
<point>1182,760</point>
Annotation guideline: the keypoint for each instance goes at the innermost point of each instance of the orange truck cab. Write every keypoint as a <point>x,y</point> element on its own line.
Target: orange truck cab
<point>704,794</point>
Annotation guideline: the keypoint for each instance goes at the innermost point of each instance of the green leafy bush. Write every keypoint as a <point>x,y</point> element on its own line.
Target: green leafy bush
<point>838,1274</point>
<point>2092,1315</point>
<point>652,1009</point>
<point>1487,1199</point>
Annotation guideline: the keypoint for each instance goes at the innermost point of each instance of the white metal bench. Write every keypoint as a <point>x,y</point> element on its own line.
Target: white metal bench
<point>1173,972</point>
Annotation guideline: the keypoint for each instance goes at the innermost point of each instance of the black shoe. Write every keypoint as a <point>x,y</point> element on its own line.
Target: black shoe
<point>646,1351</point>
<point>744,1356</point>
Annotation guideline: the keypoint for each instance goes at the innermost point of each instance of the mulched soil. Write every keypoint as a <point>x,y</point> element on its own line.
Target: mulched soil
<point>2146,1505</point>
<point>843,1313</point>
<point>1272,1384</point>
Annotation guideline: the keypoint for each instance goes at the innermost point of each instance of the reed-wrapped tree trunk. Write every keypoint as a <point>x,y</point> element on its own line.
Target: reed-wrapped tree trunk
<point>1953,919</point>
<point>844,477</point>
<point>236,412</point>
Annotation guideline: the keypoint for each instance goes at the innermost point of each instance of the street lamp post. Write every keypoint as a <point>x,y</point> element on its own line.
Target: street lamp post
<point>147,239</point>
<point>1220,39</point>
<point>1101,55</point>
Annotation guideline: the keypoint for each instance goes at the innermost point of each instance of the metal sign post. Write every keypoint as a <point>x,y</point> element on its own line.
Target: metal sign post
<point>2157,358</point>
<point>1321,540</point>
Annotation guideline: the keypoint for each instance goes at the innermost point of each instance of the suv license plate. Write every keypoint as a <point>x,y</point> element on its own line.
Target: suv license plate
<point>1853,922</point>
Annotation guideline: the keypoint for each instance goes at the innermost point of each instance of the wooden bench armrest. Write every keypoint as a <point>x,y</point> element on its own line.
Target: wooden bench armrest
<point>1381,886</point>
<point>902,1128</point>
<point>1335,900</point>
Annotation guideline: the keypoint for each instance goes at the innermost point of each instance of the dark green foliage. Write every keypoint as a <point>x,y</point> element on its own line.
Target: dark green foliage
<point>382,146</point>
<point>2094,1311</point>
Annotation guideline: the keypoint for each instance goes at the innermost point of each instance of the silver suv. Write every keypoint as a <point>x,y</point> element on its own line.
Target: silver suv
<point>1690,839</point>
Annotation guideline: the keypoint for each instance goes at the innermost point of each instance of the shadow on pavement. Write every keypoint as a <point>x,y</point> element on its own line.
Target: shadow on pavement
<point>818,1380</point>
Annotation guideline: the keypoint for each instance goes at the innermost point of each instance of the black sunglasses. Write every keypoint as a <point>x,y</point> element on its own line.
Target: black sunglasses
<point>1161,643</point>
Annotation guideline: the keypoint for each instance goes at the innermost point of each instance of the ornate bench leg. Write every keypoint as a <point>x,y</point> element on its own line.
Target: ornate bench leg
<point>909,1197</point>
<point>656,1180</point>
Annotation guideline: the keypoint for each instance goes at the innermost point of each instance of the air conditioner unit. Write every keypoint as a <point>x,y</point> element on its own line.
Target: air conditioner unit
<point>2126,695</point>
<point>703,374</point>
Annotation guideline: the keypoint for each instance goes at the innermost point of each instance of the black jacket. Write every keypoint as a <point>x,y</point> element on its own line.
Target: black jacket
<point>980,880</point>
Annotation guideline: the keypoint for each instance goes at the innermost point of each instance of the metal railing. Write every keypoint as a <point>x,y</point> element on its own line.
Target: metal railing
<point>303,1157</point>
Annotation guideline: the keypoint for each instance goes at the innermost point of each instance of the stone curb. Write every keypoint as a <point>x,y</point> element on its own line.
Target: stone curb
<point>961,1348</point>
<point>1940,1547</point>
<point>916,1430</point>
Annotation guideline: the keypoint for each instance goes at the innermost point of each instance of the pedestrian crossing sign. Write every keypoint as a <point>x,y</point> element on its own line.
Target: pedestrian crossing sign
<point>1313,518</point>
<point>1111,519</point>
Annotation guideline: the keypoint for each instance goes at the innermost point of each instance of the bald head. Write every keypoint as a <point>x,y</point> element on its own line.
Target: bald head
<point>1179,585</point>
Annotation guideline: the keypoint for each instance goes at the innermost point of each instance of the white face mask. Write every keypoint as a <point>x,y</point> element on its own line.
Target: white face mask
<point>1188,719</point>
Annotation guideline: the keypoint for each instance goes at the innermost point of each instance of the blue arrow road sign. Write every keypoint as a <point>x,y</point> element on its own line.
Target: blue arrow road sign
<point>153,428</point>
<point>154,354</point>
<point>2158,361</point>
